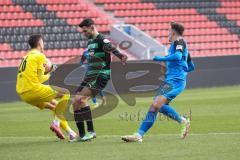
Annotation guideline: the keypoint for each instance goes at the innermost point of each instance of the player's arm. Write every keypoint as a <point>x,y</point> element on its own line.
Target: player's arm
<point>42,60</point>
<point>43,78</point>
<point>179,49</point>
<point>110,48</point>
<point>83,58</point>
<point>191,66</point>
<point>173,57</point>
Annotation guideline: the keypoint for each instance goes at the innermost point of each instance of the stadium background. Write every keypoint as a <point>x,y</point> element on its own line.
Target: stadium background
<point>212,32</point>
<point>212,102</point>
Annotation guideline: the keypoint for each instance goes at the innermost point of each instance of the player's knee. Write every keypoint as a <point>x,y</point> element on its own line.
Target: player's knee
<point>49,105</point>
<point>79,102</point>
<point>63,92</point>
<point>156,105</point>
<point>84,101</point>
<point>54,102</point>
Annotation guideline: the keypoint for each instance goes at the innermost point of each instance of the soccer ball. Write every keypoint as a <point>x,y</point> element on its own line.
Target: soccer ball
<point>48,66</point>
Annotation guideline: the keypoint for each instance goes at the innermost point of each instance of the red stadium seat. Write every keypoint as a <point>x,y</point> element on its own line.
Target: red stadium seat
<point>5,2</point>
<point>204,36</point>
<point>5,47</point>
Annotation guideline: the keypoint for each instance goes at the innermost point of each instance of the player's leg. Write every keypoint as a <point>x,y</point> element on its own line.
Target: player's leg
<point>55,126</point>
<point>170,112</point>
<point>96,104</point>
<point>62,122</point>
<point>61,104</point>
<point>94,99</point>
<point>97,87</point>
<point>79,102</point>
<point>163,97</point>
<point>35,98</point>
<point>48,97</point>
<point>46,101</point>
<point>151,115</point>
<point>104,100</point>
<point>56,122</point>
<point>82,111</point>
<point>177,87</point>
<point>149,120</point>
<point>166,109</point>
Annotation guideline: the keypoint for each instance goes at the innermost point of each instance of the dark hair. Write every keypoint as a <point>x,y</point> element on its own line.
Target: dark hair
<point>34,39</point>
<point>86,22</point>
<point>177,27</point>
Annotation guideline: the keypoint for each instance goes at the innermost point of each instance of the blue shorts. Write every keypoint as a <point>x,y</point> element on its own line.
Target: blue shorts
<point>171,88</point>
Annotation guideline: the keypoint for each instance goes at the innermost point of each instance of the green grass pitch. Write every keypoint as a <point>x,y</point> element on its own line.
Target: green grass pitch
<point>215,131</point>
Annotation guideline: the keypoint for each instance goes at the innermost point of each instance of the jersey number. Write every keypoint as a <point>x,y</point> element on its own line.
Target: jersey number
<point>22,66</point>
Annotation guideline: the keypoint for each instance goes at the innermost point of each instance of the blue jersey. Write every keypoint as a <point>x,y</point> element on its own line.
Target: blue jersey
<point>178,63</point>
<point>177,69</point>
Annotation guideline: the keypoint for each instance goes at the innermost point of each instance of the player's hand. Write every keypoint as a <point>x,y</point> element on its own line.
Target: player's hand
<point>51,69</point>
<point>157,58</point>
<point>124,59</point>
<point>54,68</point>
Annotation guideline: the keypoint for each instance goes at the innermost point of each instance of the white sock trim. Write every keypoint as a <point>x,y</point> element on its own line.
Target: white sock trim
<point>56,122</point>
<point>184,120</point>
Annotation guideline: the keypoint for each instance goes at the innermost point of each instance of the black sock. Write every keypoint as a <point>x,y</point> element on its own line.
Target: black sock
<point>88,118</point>
<point>79,122</point>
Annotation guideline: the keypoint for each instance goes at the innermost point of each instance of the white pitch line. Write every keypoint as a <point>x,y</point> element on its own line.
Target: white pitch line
<point>109,136</point>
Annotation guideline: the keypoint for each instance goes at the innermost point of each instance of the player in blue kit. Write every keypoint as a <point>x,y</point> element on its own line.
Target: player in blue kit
<point>178,63</point>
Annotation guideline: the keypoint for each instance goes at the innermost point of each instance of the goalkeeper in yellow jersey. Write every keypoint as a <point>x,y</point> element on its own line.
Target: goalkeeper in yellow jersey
<point>33,71</point>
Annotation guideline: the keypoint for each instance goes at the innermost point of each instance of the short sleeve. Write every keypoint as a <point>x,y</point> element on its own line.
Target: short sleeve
<point>179,45</point>
<point>107,45</point>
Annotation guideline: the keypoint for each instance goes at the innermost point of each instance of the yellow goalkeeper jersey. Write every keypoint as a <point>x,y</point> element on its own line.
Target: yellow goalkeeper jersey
<point>31,71</point>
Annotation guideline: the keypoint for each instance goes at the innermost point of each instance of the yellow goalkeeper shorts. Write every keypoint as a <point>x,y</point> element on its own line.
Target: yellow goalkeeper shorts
<point>39,96</point>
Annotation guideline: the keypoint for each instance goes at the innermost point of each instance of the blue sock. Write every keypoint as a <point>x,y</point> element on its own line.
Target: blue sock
<point>170,112</point>
<point>94,100</point>
<point>147,122</point>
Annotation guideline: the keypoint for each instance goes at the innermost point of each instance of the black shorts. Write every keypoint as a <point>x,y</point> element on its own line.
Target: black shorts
<point>94,83</point>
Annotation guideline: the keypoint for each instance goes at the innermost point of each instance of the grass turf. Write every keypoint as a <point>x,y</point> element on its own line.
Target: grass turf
<point>215,131</point>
